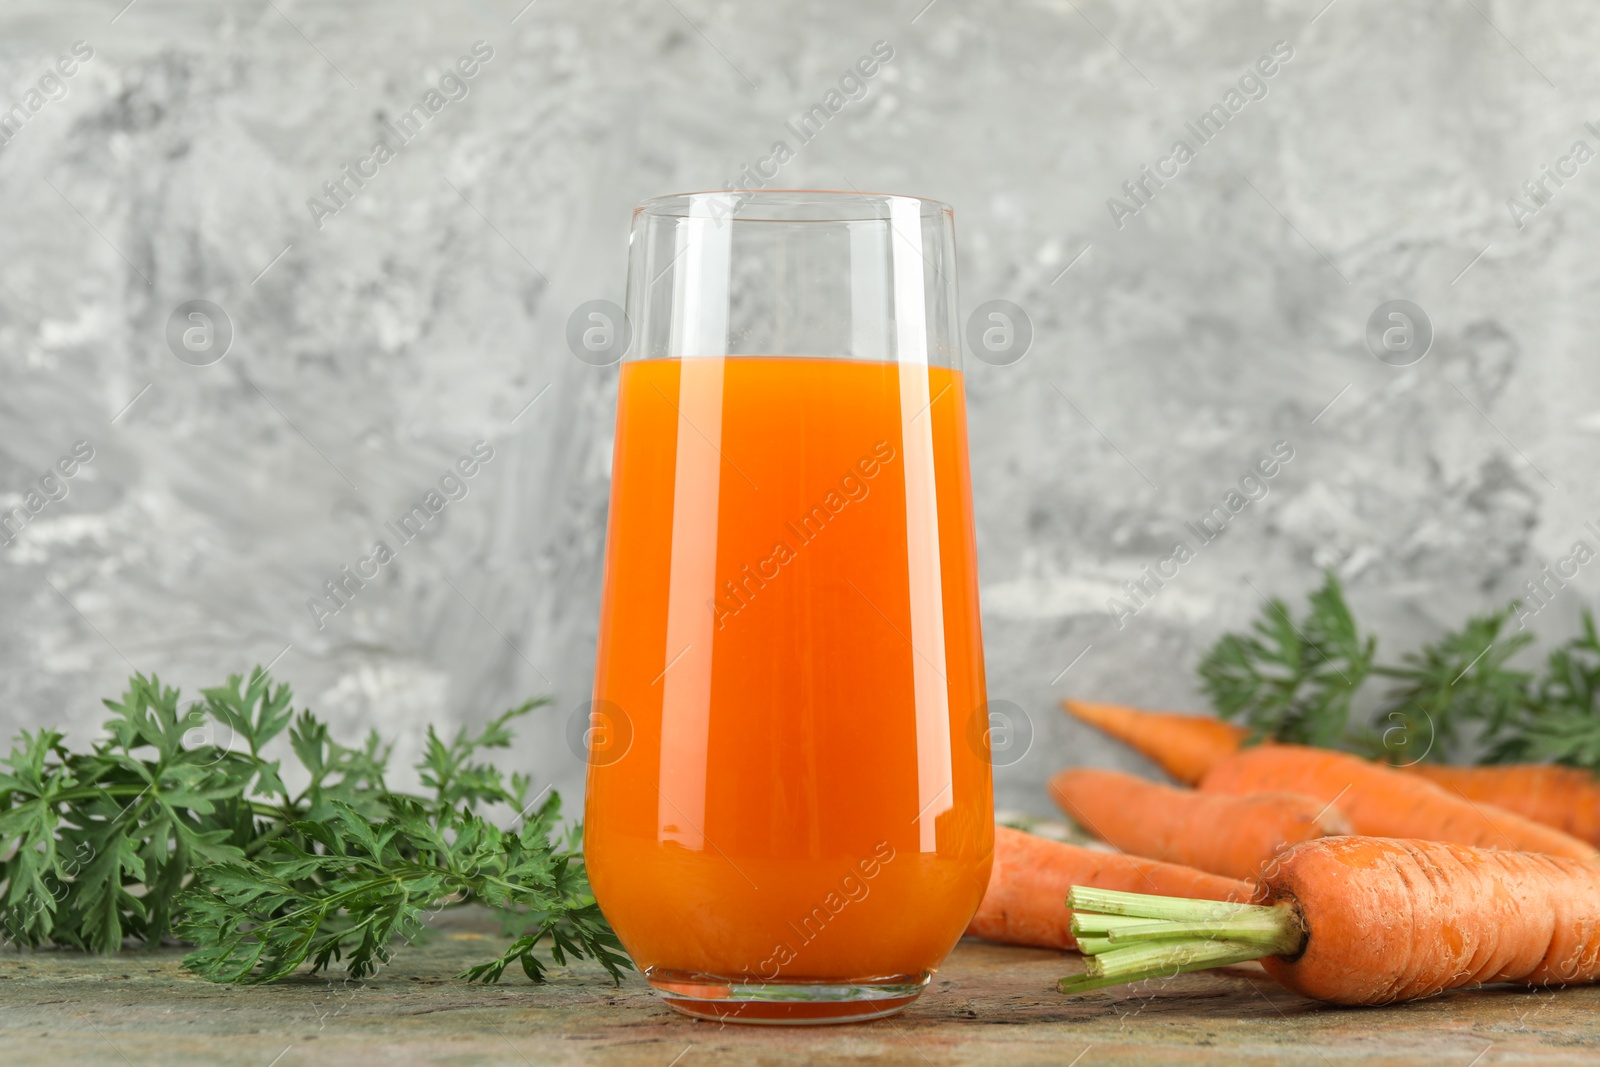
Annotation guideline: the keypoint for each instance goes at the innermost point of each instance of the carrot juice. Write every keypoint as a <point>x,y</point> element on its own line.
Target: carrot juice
<point>789,779</point>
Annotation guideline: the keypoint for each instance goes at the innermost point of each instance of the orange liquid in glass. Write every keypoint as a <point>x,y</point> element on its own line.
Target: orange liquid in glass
<point>788,776</point>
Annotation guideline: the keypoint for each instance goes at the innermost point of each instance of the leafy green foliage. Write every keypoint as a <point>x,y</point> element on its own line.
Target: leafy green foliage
<point>82,831</point>
<point>177,823</point>
<point>1295,681</point>
<point>1463,677</point>
<point>1561,722</point>
<point>1292,681</point>
<point>362,885</point>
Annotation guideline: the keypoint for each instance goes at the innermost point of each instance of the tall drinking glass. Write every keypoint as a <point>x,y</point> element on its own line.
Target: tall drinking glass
<point>790,811</point>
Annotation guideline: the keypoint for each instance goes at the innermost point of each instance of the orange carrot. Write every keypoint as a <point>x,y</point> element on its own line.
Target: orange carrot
<point>1185,746</point>
<point>1366,920</point>
<point>1567,798</point>
<point>1026,900</point>
<point>1384,802</point>
<point>1234,836</point>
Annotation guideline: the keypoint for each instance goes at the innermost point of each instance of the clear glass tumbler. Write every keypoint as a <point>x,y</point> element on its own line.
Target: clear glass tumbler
<point>790,809</point>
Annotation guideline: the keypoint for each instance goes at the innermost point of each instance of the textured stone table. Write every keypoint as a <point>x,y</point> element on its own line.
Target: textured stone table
<point>990,1005</point>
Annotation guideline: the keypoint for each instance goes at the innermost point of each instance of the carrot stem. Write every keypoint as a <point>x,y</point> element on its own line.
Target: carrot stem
<point>1158,961</point>
<point>1264,931</point>
<point>1081,898</point>
<point>1094,924</point>
<point>1093,946</point>
<point>1171,935</point>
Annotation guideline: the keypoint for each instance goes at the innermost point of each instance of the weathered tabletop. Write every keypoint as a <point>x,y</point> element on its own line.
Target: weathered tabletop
<point>990,1005</point>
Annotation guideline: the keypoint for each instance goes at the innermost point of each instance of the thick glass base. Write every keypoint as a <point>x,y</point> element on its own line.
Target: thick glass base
<point>785,1002</point>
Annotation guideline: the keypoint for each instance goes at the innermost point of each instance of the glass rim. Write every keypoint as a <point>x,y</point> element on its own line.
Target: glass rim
<point>789,205</point>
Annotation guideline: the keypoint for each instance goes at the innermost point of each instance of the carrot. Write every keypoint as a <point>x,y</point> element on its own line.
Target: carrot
<point>1185,746</point>
<point>1384,802</point>
<point>1365,920</point>
<point>1567,798</point>
<point>1234,836</point>
<point>1024,904</point>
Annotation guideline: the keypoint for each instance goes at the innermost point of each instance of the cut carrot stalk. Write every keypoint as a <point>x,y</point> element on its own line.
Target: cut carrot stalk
<point>1031,875</point>
<point>1157,961</point>
<point>1264,931</point>
<point>1101,924</point>
<point>1234,836</point>
<point>1366,920</point>
<point>1383,802</point>
<point>1185,746</point>
<point>1093,946</point>
<point>1164,936</point>
<point>1567,798</point>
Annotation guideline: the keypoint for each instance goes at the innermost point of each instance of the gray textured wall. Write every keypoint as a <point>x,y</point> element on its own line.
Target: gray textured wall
<point>369,353</point>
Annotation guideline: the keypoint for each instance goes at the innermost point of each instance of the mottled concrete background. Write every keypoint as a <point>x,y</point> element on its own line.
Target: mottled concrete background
<point>1226,315</point>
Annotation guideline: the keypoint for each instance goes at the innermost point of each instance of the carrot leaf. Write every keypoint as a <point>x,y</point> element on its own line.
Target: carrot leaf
<point>1561,720</point>
<point>1292,681</point>
<point>176,822</point>
<point>1463,677</point>
<point>1296,679</point>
